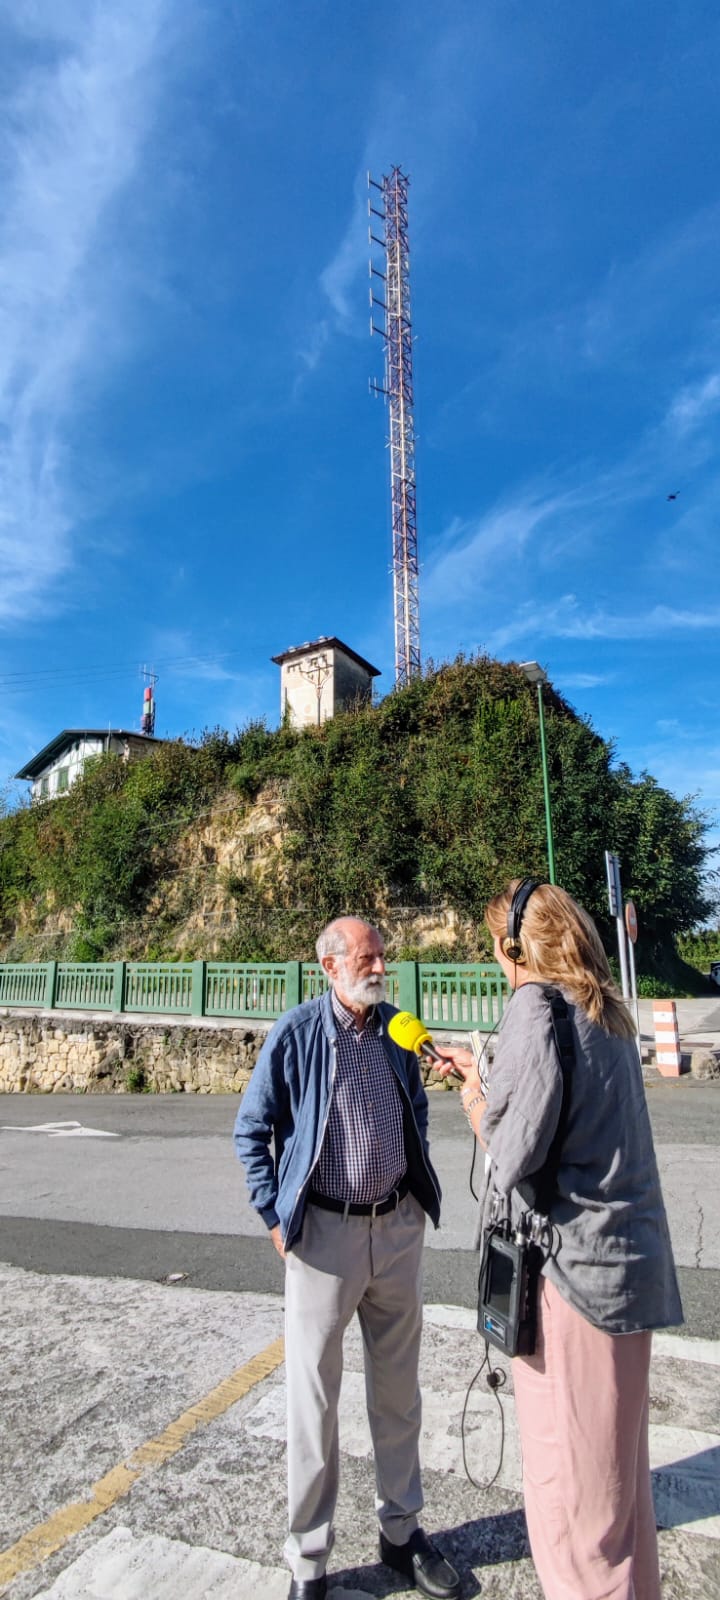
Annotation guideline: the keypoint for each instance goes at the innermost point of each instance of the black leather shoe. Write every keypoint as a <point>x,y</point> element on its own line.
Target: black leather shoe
<point>423,1565</point>
<point>308,1588</point>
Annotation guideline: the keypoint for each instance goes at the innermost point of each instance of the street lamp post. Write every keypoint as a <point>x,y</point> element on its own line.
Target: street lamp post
<point>537,675</point>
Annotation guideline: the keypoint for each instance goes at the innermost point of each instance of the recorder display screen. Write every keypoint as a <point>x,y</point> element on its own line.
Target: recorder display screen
<point>499,1282</point>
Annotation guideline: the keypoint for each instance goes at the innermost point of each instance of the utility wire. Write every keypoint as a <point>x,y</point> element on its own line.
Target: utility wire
<point>91,671</point>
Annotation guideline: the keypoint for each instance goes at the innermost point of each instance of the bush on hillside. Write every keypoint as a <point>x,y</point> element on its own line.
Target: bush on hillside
<point>433,799</point>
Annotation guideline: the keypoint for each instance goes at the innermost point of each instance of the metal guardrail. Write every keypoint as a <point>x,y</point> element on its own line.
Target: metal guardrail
<point>24,985</point>
<point>159,986</point>
<point>85,986</point>
<point>458,996</point>
<point>248,990</point>
<point>461,996</point>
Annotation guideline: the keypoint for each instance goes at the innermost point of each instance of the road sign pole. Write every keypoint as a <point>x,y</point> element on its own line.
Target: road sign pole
<point>633,991</point>
<point>612,868</point>
<point>622,952</point>
<point>631,928</point>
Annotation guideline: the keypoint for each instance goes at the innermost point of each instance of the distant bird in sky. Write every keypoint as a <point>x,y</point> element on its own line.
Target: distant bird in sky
<point>674,496</point>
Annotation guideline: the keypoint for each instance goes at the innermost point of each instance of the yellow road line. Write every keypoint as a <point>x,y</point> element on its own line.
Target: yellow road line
<point>50,1536</point>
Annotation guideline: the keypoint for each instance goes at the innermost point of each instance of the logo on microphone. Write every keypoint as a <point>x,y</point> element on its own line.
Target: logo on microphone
<point>411,1034</point>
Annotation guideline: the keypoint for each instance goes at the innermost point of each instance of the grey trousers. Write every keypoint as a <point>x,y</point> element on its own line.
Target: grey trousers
<point>338,1267</point>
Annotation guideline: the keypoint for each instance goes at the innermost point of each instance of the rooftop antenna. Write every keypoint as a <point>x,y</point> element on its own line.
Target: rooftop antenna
<point>394,301</point>
<point>147,721</point>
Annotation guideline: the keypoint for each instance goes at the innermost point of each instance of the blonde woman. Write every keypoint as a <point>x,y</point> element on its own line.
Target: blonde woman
<point>582,1397</point>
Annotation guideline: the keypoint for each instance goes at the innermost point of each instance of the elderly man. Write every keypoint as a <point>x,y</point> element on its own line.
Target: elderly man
<point>345,1199</point>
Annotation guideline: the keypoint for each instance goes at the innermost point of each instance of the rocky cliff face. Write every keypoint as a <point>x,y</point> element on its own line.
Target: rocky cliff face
<point>230,858</point>
<point>229,850</point>
<point>230,854</point>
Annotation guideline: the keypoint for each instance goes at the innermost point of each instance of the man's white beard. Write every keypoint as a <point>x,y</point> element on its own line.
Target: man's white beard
<point>364,991</point>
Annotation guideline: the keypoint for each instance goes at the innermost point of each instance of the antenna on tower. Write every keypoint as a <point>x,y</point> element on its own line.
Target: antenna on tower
<point>394,301</point>
<point>147,721</point>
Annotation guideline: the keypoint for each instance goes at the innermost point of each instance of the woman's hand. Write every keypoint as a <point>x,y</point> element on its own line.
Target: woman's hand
<point>461,1062</point>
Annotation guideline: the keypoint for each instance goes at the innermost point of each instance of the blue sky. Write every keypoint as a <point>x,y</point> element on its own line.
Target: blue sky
<point>192,473</point>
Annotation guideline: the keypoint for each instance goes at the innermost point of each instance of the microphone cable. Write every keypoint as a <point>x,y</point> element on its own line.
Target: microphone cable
<point>496,1378</point>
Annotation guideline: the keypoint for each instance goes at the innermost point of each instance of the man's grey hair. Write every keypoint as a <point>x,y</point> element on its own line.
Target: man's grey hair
<point>332,941</point>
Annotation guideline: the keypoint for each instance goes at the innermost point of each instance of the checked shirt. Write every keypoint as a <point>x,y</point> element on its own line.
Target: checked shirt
<point>362,1157</point>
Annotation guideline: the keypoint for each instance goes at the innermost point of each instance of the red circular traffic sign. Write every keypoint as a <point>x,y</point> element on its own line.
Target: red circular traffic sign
<point>631,921</point>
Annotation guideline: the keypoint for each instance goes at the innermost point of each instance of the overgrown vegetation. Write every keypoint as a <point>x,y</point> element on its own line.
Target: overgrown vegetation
<point>700,948</point>
<point>431,799</point>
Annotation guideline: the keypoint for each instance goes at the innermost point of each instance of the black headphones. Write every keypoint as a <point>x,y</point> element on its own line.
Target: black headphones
<point>511,946</point>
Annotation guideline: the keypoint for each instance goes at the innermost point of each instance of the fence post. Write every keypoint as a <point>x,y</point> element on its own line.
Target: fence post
<point>293,984</point>
<point>50,984</point>
<point>118,987</point>
<point>408,987</point>
<point>198,988</point>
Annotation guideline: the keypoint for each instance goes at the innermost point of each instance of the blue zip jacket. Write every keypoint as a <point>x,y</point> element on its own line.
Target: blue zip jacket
<point>288,1100</point>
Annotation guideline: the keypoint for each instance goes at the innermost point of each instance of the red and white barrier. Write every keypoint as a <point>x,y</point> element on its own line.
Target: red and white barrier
<point>668,1056</point>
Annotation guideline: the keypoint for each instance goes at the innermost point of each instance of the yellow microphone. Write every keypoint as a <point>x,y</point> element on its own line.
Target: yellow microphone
<point>411,1034</point>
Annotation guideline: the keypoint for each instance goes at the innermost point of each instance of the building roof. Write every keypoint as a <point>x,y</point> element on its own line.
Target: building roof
<point>51,751</point>
<point>325,643</point>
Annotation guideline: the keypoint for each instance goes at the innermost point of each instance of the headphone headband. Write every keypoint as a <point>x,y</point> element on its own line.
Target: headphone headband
<point>511,945</point>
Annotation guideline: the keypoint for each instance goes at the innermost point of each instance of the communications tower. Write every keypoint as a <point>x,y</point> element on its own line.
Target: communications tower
<point>147,721</point>
<point>394,301</point>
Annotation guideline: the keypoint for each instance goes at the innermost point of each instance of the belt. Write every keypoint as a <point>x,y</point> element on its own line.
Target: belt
<point>348,1208</point>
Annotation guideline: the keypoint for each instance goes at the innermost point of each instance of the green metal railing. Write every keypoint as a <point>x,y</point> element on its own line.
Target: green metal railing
<point>88,986</point>
<point>164,986</point>
<point>461,997</point>
<point>24,985</point>
<point>233,990</point>
<point>455,996</point>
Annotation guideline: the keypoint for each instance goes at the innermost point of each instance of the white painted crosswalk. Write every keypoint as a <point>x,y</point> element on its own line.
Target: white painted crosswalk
<point>123,1566</point>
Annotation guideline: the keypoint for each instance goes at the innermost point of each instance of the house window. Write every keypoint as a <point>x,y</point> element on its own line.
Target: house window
<point>62,779</point>
<point>44,787</point>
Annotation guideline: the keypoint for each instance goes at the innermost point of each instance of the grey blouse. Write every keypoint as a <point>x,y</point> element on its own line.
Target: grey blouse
<point>614,1261</point>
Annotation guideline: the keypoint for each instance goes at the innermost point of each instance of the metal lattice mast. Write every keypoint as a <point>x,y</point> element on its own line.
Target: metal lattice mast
<point>398,390</point>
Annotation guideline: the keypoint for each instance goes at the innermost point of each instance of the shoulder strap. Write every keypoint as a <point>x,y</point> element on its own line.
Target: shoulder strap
<point>538,1190</point>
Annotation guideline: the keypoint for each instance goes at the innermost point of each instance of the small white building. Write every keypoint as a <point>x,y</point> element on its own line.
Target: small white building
<point>53,770</point>
<point>319,679</point>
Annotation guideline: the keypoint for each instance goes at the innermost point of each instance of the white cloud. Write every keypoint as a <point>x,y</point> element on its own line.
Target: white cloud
<point>339,283</point>
<point>583,680</point>
<point>73,130</point>
<point>568,620</point>
<point>459,564</point>
<point>339,279</point>
<point>634,299</point>
<point>695,404</point>
<point>315,343</point>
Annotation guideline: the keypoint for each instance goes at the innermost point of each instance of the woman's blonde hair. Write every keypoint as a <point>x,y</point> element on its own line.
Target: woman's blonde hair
<point>561,945</point>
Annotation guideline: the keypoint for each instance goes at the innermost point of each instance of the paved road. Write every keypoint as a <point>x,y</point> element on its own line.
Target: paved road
<point>102,1353</point>
<point>148,1185</point>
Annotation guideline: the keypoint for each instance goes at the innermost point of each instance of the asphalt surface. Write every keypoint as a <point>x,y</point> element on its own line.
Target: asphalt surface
<point>164,1194</point>
<point>137,1279</point>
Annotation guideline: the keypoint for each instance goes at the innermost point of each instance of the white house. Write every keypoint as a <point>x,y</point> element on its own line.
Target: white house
<point>319,679</point>
<point>52,771</point>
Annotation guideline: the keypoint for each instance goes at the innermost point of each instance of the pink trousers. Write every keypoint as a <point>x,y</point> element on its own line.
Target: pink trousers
<point>582,1408</point>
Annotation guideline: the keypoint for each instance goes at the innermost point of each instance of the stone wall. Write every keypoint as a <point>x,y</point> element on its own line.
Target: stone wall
<point>46,1052</point>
